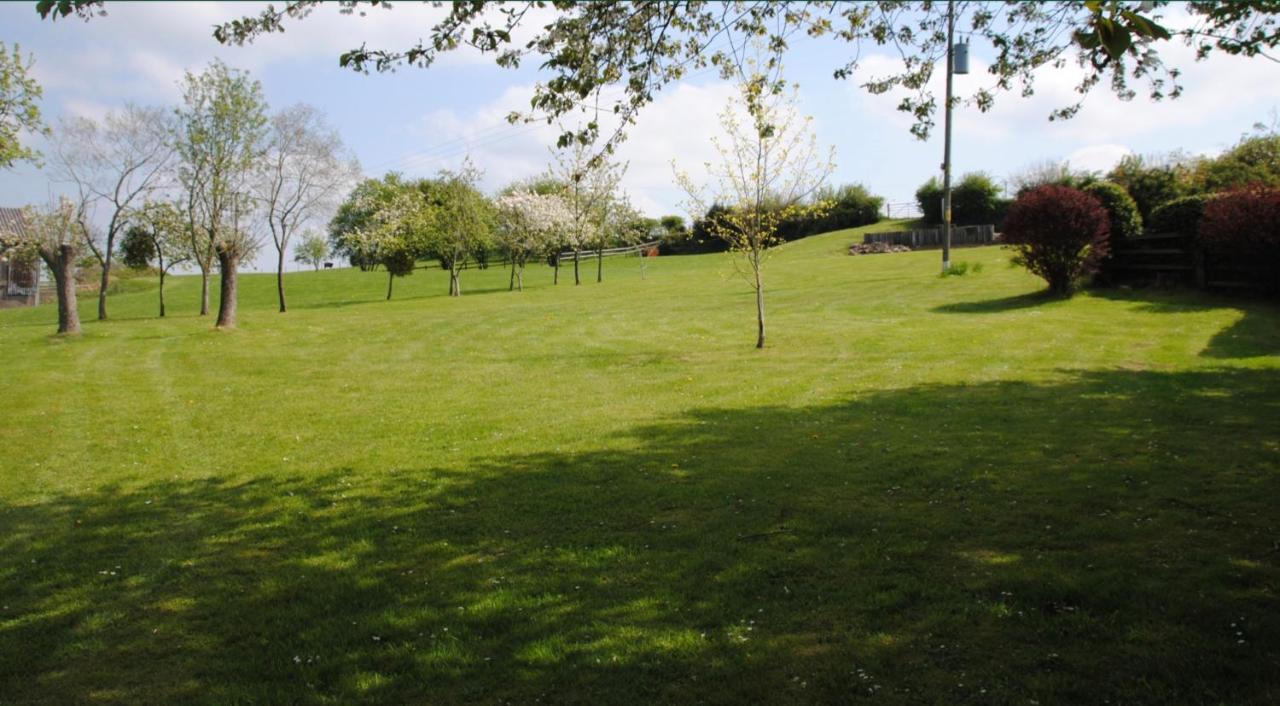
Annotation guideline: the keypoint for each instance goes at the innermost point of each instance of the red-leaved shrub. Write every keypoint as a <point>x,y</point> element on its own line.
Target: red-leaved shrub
<point>1060,234</point>
<point>1243,220</point>
<point>1243,225</point>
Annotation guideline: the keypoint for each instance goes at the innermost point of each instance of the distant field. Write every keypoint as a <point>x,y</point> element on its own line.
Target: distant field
<point>925,490</point>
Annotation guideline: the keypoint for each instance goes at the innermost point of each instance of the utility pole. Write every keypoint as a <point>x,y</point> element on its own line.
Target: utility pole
<point>946,142</point>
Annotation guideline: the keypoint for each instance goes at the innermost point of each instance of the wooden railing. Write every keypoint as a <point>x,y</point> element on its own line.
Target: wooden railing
<point>932,237</point>
<point>609,252</point>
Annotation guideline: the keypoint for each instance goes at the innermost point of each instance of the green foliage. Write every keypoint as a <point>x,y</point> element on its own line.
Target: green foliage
<point>137,250</point>
<point>960,269</point>
<point>312,249</point>
<point>674,225</point>
<point>19,107</point>
<point>701,237</point>
<point>398,257</point>
<point>1152,181</point>
<point>1253,160</point>
<point>1123,219</point>
<point>975,200</point>
<point>1181,215</point>
<point>847,206</point>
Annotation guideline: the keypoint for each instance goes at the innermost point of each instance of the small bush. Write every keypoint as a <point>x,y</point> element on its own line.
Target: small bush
<point>960,269</point>
<point>1181,215</point>
<point>1059,234</point>
<point>1123,219</point>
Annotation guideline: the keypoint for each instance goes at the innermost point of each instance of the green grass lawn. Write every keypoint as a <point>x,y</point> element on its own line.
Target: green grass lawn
<point>926,490</point>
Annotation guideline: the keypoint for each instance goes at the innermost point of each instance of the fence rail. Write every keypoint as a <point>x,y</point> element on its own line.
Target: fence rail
<point>609,252</point>
<point>902,209</point>
<point>932,237</point>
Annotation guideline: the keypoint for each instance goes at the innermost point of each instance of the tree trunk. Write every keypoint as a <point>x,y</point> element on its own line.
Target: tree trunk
<point>390,279</point>
<point>520,277</point>
<point>62,263</point>
<point>204,290</point>
<point>162,290</point>
<point>555,263</point>
<point>576,279</point>
<point>104,283</point>
<point>455,285</point>
<point>512,284</point>
<point>227,264</point>
<point>280,280</point>
<point>759,306</point>
<point>599,266</point>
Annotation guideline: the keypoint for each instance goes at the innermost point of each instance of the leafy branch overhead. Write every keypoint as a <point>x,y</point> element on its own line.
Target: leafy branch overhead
<point>642,47</point>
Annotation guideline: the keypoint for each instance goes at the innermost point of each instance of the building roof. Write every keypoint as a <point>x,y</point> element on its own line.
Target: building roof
<point>12,222</point>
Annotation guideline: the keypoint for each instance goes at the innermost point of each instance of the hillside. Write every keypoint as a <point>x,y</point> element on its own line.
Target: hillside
<point>925,489</point>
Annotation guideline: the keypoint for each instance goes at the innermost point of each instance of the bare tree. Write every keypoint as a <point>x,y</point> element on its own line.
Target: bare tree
<point>114,164</point>
<point>304,171</point>
<point>55,235</point>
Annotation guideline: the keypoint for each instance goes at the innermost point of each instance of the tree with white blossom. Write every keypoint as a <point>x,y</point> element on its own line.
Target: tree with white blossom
<point>591,188</point>
<point>529,225</point>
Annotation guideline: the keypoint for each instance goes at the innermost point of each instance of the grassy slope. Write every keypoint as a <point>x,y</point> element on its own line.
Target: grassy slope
<point>925,490</point>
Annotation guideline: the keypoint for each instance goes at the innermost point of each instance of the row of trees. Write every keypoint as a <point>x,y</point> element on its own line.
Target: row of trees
<point>205,184</point>
<point>577,207</point>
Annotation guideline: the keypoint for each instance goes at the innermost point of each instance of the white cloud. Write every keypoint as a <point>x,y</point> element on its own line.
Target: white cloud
<point>678,126</point>
<point>1097,158</point>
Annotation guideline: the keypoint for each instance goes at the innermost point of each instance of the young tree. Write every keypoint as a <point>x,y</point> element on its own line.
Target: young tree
<point>311,250</point>
<point>116,164</point>
<point>529,225</point>
<point>220,131</point>
<point>769,164</point>
<point>19,107</point>
<point>156,232</point>
<point>591,187</point>
<point>459,223</point>
<point>55,235</point>
<point>304,169</point>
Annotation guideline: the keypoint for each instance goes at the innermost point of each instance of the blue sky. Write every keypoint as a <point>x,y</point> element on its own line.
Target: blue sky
<point>418,121</point>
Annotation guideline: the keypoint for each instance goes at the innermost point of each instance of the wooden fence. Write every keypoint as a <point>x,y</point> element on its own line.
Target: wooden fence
<point>1170,258</point>
<point>649,248</point>
<point>932,237</point>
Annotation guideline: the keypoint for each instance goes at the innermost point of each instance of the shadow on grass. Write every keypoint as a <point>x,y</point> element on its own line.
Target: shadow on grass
<point>1253,335</point>
<point>996,306</point>
<point>1110,536</point>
